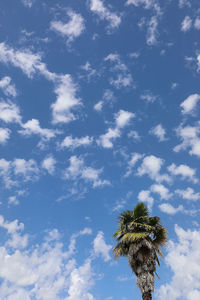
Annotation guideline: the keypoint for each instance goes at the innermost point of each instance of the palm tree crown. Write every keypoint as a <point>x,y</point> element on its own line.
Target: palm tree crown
<point>139,237</point>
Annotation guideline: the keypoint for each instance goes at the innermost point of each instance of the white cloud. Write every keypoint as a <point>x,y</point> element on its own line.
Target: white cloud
<point>189,104</point>
<point>90,72</point>
<point>72,29</point>
<point>104,13</point>
<point>151,166</point>
<point>108,97</point>
<point>8,88</point>
<point>183,259</point>
<point>27,3</point>
<point>28,62</point>
<point>98,106</point>
<point>169,209</point>
<point>49,164</point>
<point>184,171</point>
<point>45,271</point>
<point>183,3</point>
<point>161,190</point>
<point>4,135</point>
<point>123,77</point>
<point>26,168</point>
<point>186,24</point>
<point>188,194</point>
<point>135,157</point>
<point>148,4</point>
<point>149,97</point>
<point>100,248</point>
<point>152,31</point>
<point>70,142</point>
<point>66,101</point>
<point>105,140</point>
<point>65,89</point>
<point>190,139</point>
<point>135,135</point>
<point>159,132</point>
<point>9,112</point>
<point>144,196</point>
<point>197,23</point>
<point>33,127</point>
<point>78,170</point>
<point>122,119</point>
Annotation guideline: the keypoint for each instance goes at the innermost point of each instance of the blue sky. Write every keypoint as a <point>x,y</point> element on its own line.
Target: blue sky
<point>99,109</point>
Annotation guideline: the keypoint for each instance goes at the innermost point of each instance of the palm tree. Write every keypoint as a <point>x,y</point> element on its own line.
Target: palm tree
<point>139,237</point>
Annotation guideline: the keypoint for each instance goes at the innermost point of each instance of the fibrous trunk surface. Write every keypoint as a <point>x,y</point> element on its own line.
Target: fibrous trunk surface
<point>147,296</point>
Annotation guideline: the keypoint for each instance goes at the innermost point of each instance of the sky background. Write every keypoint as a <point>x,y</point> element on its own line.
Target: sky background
<point>99,110</point>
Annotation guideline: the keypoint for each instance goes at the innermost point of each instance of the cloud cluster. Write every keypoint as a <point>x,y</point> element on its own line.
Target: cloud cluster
<point>190,137</point>
<point>72,29</point>
<point>122,119</point>
<point>77,170</point>
<point>183,260</point>
<point>123,77</point>
<point>104,13</point>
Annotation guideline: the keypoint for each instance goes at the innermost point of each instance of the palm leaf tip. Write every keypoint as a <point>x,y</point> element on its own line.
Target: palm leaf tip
<point>140,210</point>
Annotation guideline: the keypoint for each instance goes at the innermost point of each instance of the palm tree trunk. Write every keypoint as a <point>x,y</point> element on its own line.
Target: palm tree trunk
<point>147,296</point>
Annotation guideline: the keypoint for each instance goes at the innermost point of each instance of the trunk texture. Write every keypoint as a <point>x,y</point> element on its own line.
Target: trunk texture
<point>147,296</point>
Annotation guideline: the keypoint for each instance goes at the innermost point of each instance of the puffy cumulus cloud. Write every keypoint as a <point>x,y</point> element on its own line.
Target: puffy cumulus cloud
<point>100,248</point>
<point>48,164</point>
<point>26,168</point>
<point>7,87</point>
<point>161,190</point>
<point>148,4</point>
<point>45,271</point>
<point>72,29</point>
<point>188,106</point>
<point>78,170</point>
<point>186,24</point>
<point>27,61</point>
<point>184,171</point>
<point>135,157</point>
<point>170,209</point>
<point>151,166</point>
<point>106,140</point>
<point>190,139</point>
<point>33,127</point>
<point>9,112</point>
<point>134,135</point>
<point>66,100</point>
<point>108,97</point>
<point>4,135</point>
<point>31,64</point>
<point>123,77</point>
<point>12,171</point>
<point>183,260</point>
<point>122,119</point>
<point>72,143</point>
<point>188,194</point>
<point>159,132</point>
<point>144,196</point>
<point>104,13</point>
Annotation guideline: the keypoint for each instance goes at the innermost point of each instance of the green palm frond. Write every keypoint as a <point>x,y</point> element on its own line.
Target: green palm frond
<point>120,249</point>
<point>131,237</point>
<point>140,211</point>
<point>141,226</point>
<point>160,237</point>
